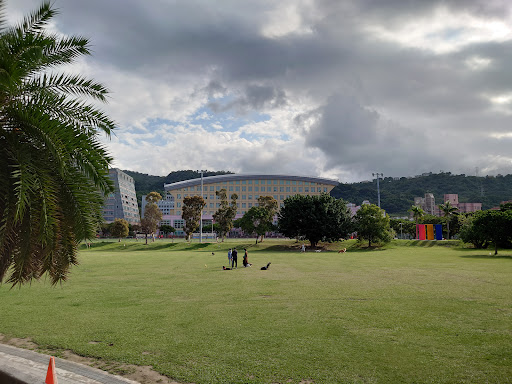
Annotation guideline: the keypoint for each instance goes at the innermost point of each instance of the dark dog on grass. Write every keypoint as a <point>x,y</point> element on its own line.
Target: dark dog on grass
<point>265,268</point>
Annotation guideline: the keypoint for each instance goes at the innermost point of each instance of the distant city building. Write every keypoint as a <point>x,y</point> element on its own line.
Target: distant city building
<point>427,203</point>
<point>165,205</point>
<point>354,208</point>
<point>122,203</point>
<point>247,187</point>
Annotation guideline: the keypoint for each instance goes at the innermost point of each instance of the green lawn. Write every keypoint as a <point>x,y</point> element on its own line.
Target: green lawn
<point>404,314</point>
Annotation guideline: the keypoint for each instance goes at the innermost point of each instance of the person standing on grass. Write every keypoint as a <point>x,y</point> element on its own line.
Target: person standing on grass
<point>229,256</point>
<point>234,255</point>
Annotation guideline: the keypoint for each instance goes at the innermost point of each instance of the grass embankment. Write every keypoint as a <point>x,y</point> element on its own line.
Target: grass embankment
<point>402,314</point>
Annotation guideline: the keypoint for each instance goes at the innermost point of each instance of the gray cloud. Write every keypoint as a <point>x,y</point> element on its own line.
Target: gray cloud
<point>356,101</point>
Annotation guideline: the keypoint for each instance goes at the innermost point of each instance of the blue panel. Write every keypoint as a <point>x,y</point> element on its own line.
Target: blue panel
<point>439,232</point>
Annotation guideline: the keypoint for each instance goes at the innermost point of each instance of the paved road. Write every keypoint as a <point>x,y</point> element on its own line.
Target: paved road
<point>21,366</point>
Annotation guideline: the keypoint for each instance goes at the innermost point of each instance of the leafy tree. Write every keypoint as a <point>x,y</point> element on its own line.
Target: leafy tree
<point>166,229</point>
<point>372,224</point>
<point>315,218</point>
<point>152,215</point>
<point>53,168</point>
<point>119,228</point>
<point>470,234</point>
<point>256,221</point>
<point>270,207</point>
<point>448,210</point>
<point>406,227</point>
<point>506,207</point>
<point>192,207</point>
<point>226,213</point>
<point>259,219</point>
<point>208,228</point>
<point>493,226</point>
<point>417,214</point>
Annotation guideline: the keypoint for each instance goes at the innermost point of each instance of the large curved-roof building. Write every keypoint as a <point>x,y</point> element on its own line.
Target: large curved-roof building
<point>247,187</point>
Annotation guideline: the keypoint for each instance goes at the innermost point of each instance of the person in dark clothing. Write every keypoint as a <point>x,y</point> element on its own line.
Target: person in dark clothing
<point>246,260</point>
<point>234,255</point>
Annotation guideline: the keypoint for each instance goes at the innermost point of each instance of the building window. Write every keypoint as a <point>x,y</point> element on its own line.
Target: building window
<point>288,189</point>
<point>244,197</point>
<point>244,205</point>
<point>249,197</point>
<point>281,197</point>
<point>281,189</point>
<point>244,189</point>
<point>237,189</point>
<point>256,189</point>
<point>306,189</point>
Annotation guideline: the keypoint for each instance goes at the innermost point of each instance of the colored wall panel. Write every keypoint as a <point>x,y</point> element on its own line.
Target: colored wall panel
<point>422,232</point>
<point>430,231</point>
<point>439,232</point>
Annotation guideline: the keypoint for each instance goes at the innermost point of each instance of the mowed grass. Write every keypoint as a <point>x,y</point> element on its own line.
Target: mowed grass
<point>404,314</point>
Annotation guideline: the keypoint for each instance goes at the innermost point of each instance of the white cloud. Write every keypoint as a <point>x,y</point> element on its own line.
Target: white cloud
<point>443,31</point>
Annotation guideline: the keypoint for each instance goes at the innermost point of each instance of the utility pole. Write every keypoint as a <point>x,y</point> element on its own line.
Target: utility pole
<point>378,187</point>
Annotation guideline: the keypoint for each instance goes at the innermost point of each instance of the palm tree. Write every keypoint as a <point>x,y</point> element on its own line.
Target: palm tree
<point>448,210</point>
<point>417,214</point>
<point>53,169</point>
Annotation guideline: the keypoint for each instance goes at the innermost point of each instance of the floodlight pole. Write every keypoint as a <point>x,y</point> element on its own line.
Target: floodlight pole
<point>378,188</point>
<point>201,221</point>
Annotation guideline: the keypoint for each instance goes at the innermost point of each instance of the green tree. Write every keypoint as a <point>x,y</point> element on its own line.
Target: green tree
<point>166,229</point>
<point>448,210</point>
<point>152,215</point>
<point>372,224</point>
<point>53,168</point>
<point>315,218</point>
<point>260,219</point>
<point>226,213</point>
<point>192,207</point>
<point>417,214</point>
<point>405,227</point>
<point>119,228</point>
<point>493,226</point>
<point>470,234</point>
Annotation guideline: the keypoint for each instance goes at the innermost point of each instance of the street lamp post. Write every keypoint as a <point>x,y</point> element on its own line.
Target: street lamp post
<point>379,175</point>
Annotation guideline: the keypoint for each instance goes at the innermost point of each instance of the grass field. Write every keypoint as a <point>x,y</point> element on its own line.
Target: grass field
<point>403,314</point>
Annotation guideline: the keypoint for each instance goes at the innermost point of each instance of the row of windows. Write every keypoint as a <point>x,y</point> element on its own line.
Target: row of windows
<point>250,182</point>
<point>269,189</point>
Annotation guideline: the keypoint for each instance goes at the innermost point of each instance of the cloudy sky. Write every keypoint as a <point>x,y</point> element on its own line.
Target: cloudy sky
<point>331,88</point>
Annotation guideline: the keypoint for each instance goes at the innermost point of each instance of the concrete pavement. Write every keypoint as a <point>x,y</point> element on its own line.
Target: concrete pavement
<point>21,366</point>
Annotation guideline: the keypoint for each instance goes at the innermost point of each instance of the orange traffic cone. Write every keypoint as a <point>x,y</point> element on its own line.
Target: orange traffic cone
<point>51,375</point>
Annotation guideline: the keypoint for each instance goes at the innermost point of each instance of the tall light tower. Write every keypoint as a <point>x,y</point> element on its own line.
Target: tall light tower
<point>379,175</point>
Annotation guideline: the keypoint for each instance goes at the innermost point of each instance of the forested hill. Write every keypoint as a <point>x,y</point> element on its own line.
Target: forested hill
<point>145,183</point>
<point>397,196</point>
